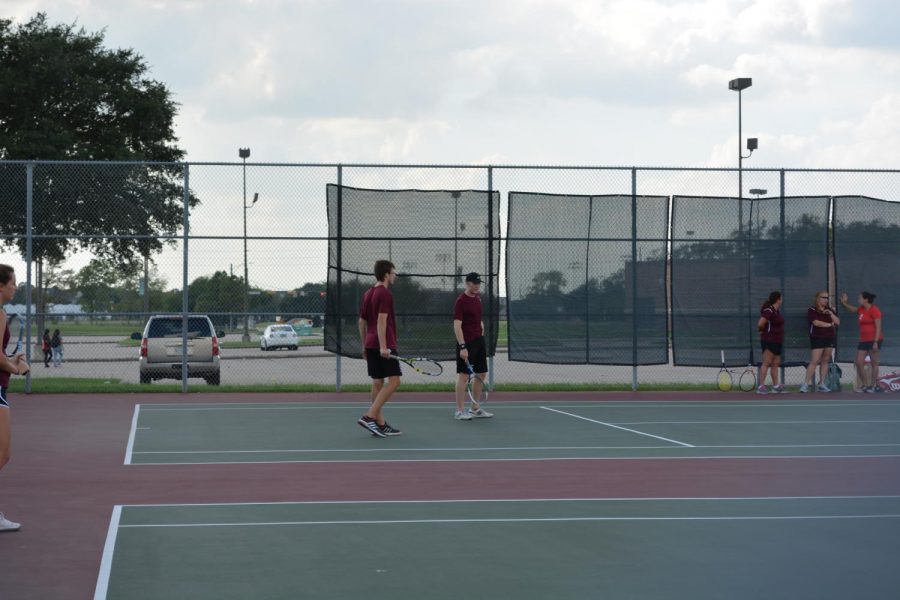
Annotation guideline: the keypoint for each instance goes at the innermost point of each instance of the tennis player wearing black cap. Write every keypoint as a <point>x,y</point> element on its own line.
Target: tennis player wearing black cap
<point>470,347</point>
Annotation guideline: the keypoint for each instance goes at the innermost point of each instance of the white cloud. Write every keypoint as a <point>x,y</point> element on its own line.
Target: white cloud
<point>883,118</point>
<point>707,76</point>
<point>562,81</point>
<point>388,140</point>
<point>608,82</point>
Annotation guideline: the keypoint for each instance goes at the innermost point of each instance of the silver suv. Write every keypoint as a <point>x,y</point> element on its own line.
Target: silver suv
<point>161,349</point>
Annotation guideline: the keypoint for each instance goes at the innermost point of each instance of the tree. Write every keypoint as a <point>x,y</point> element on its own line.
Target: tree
<point>66,97</point>
<point>219,293</point>
<point>154,295</point>
<point>97,283</point>
<point>307,299</point>
<point>548,283</point>
<point>59,284</point>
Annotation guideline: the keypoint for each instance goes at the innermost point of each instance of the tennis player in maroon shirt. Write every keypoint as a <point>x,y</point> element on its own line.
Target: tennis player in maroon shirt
<point>823,322</point>
<point>771,336</point>
<point>378,334</point>
<point>468,327</point>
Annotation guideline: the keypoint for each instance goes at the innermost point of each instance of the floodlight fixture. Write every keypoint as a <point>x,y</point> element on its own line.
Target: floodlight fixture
<point>741,83</point>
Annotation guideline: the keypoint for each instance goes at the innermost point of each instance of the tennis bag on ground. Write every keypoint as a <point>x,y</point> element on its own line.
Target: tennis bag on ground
<point>833,377</point>
<point>889,382</point>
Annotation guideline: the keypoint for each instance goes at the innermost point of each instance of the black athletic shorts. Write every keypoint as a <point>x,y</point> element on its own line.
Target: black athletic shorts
<point>773,347</point>
<point>868,345</point>
<point>477,356</point>
<point>816,343</point>
<point>380,367</point>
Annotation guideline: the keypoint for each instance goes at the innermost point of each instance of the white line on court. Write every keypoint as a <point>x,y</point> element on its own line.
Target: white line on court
<point>523,448</point>
<point>517,520</point>
<point>561,458</point>
<point>518,404</point>
<point>130,447</point>
<point>889,445</point>
<point>329,450</point>
<point>520,500</point>
<point>748,422</point>
<point>659,437</point>
<point>108,549</point>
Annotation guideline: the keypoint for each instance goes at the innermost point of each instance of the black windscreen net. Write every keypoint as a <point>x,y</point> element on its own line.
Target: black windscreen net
<point>867,258</point>
<point>586,279</point>
<point>727,256</point>
<point>433,238</point>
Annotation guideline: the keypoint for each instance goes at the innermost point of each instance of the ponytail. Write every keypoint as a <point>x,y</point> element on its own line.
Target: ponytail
<point>772,299</point>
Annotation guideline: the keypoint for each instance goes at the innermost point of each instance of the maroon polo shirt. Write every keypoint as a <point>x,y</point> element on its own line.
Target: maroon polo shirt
<point>468,310</point>
<point>378,299</point>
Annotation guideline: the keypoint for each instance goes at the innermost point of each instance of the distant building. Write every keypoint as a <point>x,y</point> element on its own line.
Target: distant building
<point>73,310</point>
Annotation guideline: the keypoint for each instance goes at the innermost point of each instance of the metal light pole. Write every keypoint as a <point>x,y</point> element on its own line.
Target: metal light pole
<point>244,153</point>
<point>739,85</point>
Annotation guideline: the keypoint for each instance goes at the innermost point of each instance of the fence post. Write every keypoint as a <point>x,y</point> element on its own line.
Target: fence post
<point>29,250</point>
<point>634,360</point>
<point>338,303</point>
<point>783,252</point>
<point>184,279</point>
<point>495,322</point>
<point>587,283</point>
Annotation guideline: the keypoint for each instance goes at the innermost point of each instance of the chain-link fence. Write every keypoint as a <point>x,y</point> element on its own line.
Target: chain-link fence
<point>600,274</point>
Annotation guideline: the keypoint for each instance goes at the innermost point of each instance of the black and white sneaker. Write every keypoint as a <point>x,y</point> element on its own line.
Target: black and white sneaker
<point>370,424</point>
<point>386,429</point>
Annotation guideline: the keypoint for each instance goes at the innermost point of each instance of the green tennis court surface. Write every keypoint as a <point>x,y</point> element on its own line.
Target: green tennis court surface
<point>839,547</point>
<point>302,432</point>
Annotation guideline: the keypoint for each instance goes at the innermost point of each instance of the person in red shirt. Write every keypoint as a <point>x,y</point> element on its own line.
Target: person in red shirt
<point>9,365</point>
<point>378,334</point>
<point>871,336</point>
<point>468,327</point>
<point>771,335</point>
<point>822,321</point>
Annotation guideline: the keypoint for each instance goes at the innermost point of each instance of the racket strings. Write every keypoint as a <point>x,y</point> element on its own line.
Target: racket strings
<point>425,366</point>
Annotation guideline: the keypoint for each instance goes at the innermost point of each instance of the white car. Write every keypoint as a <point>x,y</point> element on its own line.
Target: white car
<point>278,336</point>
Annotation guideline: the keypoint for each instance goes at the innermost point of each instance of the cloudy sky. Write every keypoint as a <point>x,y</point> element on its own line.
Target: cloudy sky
<point>611,82</point>
<point>522,82</point>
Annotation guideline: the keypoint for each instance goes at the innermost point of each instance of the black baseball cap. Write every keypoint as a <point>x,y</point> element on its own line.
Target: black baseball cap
<point>473,277</point>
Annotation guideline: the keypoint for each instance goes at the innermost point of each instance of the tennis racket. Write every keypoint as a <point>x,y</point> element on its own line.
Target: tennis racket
<point>419,364</point>
<point>724,380</point>
<point>748,379</point>
<point>11,320</point>
<point>479,397</point>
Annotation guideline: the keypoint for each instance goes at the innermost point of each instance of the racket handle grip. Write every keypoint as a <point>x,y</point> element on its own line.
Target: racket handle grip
<point>722,353</point>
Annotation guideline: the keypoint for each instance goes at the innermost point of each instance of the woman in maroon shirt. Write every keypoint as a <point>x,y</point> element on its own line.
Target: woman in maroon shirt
<point>822,323</point>
<point>771,335</point>
<point>12,365</point>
